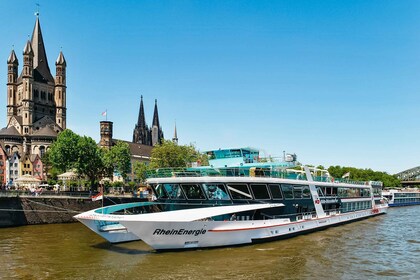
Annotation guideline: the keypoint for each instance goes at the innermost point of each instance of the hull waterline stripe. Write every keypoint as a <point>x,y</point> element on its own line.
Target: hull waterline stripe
<point>277,225</point>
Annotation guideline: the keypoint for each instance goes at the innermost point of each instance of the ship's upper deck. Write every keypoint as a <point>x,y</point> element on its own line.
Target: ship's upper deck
<point>267,172</point>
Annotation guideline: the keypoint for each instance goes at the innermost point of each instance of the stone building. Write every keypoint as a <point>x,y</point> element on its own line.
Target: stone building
<point>36,101</point>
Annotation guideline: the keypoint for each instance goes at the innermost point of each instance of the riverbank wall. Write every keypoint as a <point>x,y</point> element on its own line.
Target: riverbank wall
<point>31,210</point>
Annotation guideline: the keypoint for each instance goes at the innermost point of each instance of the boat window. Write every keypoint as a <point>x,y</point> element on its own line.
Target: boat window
<point>239,192</point>
<point>343,192</point>
<point>377,191</point>
<point>159,191</point>
<point>306,192</point>
<point>275,191</point>
<point>260,191</point>
<point>216,191</point>
<point>287,191</point>
<point>174,191</point>
<point>319,190</point>
<point>366,192</point>
<point>193,191</point>
<point>353,192</point>
<point>297,191</point>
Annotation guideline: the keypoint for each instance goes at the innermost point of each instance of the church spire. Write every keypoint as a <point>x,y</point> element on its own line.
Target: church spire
<point>12,58</point>
<point>155,115</point>
<point>141,132</point>
<point>175,139</point>
<point>156,130</point>
<point>40,56</point>
<point>141,122</point>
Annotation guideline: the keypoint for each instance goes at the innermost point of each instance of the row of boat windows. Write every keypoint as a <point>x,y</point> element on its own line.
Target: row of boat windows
<point>343,192</point>
<point>406,200</point>
<point>406,194</point>
<point>355,206</point>
<point>218,191</point>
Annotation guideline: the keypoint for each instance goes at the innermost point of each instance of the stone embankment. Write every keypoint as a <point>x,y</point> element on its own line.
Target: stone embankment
<point>34,210</point>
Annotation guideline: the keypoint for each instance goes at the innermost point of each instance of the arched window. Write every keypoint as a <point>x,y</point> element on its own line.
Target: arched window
<point>42,151</point>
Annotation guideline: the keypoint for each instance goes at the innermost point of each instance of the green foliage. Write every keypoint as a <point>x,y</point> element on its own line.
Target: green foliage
<point>51,182</point>
<point>118,184</point>
<point>89,159</point>
<point>71,151</point>
<point>139,169</point>
<point>169,154</point>
<point>118,159</point>
<point>357,174</point>
<point>63,151</point>
<point>131,186</point>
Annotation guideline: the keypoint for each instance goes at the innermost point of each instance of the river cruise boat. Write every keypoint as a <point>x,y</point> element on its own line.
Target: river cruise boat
<point>397,198</point>
<point>214,207</point>
<point>243,158</point>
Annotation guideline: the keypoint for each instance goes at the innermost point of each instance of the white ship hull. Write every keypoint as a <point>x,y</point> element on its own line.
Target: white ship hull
<point>112,233</point>
<point>204,234</point>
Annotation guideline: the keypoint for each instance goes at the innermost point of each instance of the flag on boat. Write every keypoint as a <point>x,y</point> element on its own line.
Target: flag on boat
<point>99,196</point>
<point>347,175</point>
<point>104,113</point>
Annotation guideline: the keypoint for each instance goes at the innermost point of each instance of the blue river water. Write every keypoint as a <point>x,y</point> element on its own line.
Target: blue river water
<point>383,247</point>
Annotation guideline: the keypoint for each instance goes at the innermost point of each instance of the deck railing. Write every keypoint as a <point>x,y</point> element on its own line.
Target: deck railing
<point>247,172</point>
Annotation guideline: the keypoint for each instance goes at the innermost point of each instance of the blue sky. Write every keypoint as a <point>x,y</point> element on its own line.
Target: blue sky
<point>336,82</point>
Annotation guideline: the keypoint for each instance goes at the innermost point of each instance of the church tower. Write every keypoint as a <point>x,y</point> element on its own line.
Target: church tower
<point>60,91</point>
<point>106,134</point>
<point>25,101</point>
<point>141,131</point>
<point>142,134</point>
<point>12,76</point>
<point>156,130</point>
<point>36,102</point>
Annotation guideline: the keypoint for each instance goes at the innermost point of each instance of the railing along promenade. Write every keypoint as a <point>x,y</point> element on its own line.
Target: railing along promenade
<point>61,194</point>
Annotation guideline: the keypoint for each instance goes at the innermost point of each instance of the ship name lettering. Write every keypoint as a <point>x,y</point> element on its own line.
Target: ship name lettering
<point>181,231</point>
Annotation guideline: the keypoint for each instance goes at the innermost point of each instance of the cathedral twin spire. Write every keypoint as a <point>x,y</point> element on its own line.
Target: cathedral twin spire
<point>142,134</point>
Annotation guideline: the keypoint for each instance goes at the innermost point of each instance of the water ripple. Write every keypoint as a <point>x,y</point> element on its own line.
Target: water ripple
<point>386,246</point>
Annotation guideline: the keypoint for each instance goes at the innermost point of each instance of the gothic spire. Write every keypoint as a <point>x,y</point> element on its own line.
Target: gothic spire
<point>141,122</point>
<point>175,139</point>
<point>40,56</point>
<point>155,116</point>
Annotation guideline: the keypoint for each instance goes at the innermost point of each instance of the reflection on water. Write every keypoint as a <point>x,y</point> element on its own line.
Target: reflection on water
<point>387,246</point>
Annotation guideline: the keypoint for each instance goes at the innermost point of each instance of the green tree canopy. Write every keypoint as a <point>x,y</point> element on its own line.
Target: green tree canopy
<point>358,174</point>
<point>139,169</point>
<point>118,159</point>
<point>169,154</point>
<point>63,151</point>
<point>89,159</point>
<point>71,151</point>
